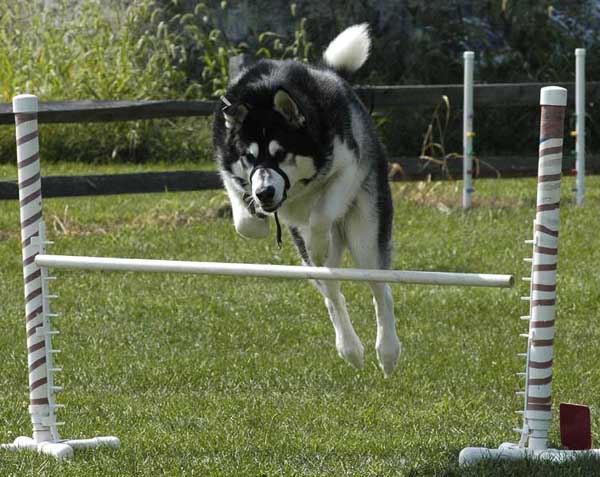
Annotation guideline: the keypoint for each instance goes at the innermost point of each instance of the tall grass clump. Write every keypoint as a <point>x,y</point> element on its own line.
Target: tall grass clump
<point>101,50</point>
<point>137,50</point>
<point>94,50</point>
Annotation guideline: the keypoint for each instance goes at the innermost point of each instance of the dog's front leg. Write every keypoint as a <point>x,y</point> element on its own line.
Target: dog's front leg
<point>319,239</point>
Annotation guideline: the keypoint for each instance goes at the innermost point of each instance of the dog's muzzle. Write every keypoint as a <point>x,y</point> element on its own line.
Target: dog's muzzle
<point>271,193</point>
<point>266,194</point>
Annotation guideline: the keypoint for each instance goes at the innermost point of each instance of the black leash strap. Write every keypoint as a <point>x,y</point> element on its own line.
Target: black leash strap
<point>279,241</point>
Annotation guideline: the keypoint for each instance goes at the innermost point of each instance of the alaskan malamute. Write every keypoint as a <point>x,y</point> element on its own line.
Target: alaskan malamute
<point>294,141</point>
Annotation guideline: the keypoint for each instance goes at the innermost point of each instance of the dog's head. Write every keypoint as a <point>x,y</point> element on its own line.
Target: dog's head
<point>269,148</point>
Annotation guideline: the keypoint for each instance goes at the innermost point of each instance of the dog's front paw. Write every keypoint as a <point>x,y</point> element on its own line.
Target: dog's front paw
<point>388,352</point>
<point>351,350</point>
<point>252,227</point>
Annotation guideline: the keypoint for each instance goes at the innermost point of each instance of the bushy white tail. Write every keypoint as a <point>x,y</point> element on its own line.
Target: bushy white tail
<point>350,49</point>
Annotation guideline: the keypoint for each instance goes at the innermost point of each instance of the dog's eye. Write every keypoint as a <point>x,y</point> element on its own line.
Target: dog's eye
<point>275,149</point>
<point>253,150</point>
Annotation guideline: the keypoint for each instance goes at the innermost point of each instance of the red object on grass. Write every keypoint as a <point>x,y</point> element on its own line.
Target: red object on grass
<point>575,426</point>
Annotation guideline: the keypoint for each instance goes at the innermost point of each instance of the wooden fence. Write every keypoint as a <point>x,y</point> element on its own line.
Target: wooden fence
<point>385,99</point>
<point>376,98</point>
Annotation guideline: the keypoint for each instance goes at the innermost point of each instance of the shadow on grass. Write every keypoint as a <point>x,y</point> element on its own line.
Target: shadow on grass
<point>585,466</point>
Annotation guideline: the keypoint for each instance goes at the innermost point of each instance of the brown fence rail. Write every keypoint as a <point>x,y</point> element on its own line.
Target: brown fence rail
<point>411,169</point>
<point>110,184</point>
<point>106,111</point>
<point>378,98</point>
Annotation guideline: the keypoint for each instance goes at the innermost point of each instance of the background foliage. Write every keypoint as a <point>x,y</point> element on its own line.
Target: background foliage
<point>179,49</point>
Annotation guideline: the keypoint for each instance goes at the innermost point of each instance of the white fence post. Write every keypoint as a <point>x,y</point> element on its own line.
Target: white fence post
<point>580,124</point>
<point>468,129</point>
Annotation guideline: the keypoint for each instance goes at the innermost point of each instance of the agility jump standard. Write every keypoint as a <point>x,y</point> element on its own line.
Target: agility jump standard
<point>39,315</point>
<point>539,356</point>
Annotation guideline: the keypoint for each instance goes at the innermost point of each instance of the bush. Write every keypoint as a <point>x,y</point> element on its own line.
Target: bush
<point>143,49</point>
<point>161,49</point>
<point>95,50</point>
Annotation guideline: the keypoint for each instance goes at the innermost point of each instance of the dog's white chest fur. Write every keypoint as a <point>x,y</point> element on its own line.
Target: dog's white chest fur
<point>316,197</point>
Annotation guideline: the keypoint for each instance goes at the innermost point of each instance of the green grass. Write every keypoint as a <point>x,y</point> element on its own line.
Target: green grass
<point>226,376</point>
<point>9,171</point>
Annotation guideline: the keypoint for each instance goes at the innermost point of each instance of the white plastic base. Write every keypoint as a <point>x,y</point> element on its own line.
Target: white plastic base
<point>62,449</point>
<point>508,451</point>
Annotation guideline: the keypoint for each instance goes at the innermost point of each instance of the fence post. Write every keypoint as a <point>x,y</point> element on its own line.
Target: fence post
<point>468,130</point>
<point>580,124</point>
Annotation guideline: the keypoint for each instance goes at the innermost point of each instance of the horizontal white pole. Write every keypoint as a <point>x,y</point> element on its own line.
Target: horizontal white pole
<point>274,271</point>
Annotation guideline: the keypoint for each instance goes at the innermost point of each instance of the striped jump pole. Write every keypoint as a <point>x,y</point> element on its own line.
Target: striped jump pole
<point>540,350</point>
<point>539,356</point>
<point>38,315</point>
<point>42,405</point>
<point>468,133</point>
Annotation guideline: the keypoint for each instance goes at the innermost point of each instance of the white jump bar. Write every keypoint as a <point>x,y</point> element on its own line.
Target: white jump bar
<point>274,271</point>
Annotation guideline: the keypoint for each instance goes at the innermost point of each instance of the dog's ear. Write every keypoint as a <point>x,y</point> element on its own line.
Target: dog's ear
<point>234,114</point>
<point>287,107</point>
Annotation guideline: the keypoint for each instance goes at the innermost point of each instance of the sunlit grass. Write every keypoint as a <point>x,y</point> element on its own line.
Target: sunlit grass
<point>228,376</point>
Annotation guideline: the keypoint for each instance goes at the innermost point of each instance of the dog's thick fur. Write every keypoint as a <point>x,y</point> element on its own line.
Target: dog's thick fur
<point>295,140</point>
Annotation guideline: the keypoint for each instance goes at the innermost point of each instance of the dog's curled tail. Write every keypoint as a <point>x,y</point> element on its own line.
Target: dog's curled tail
<point>349,50</point>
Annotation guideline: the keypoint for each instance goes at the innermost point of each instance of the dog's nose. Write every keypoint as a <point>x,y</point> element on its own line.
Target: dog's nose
<point>265,194</point>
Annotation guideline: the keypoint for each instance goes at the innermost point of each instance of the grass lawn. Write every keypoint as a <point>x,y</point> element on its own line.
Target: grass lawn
<point>9,171</point>
<point>209,376</point>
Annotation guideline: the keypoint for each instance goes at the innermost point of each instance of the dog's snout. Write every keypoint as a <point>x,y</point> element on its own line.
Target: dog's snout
<point>265,194</point>
<point>268,189</point>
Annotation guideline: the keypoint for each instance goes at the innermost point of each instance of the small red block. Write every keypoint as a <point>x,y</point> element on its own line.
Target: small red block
<point>575,426</point>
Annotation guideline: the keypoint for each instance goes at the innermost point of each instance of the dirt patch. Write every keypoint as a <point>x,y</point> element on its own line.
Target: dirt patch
<point>446,196</point>
<point>64,224</point>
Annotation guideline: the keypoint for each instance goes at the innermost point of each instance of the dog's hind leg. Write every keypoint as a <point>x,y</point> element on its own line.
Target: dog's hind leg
<point>347,342</point>
<point>364,239</point>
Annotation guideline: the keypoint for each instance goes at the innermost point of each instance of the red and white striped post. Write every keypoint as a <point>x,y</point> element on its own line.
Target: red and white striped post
<point>42,405</point>
<point>39,347</point>
<point>540,352</point>
<point>537,412</point>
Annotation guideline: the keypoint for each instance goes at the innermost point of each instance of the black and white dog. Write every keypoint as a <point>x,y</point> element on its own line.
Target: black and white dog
<point>296,142</point>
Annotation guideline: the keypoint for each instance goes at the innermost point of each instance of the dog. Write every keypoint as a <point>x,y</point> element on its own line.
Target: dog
<point>295,142</point>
